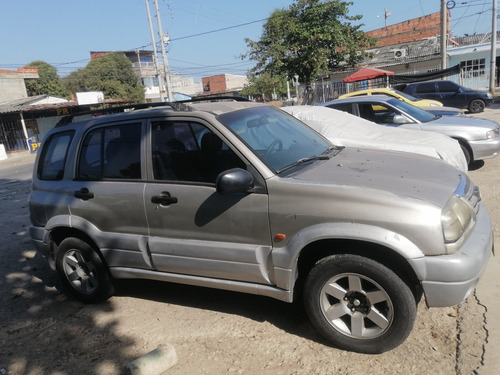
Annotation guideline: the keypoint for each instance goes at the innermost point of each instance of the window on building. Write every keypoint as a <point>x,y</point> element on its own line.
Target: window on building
<point>473,68</point>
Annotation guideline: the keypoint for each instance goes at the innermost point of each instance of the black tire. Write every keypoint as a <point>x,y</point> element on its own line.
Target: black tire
<point>476,106</point>
<point>358,304</point>
<point>83,272</point>
<point>466,152</point>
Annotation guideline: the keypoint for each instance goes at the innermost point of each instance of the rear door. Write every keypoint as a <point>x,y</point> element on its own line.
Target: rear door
<point>193,229</point>
<point>106,195</point>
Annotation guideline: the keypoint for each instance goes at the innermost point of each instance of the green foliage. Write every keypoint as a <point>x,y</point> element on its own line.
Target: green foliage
<point>112,74</point>
<point>309,38</point>
<point>266,85</point>
<point>48,82</point>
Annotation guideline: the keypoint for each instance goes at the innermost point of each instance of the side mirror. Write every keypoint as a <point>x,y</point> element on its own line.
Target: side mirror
<point>400,119</point>
<point>234,181</point>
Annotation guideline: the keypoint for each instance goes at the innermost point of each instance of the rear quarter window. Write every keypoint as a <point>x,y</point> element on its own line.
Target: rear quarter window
<point>53,157</point>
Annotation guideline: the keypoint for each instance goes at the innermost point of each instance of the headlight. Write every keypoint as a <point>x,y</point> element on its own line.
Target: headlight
<point>455,218</point>
<point>434,105</point>
<point>492,133</point>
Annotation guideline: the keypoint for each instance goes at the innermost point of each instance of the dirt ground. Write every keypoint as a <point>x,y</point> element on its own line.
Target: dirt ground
<point>213,332</point>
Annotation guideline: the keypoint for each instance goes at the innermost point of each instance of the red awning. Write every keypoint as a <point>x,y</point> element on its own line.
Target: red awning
<point>367,73</point>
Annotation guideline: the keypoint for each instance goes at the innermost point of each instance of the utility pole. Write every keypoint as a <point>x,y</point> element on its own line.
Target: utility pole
<point>155,52</point>
<point>493,56</point>
<point>444,35</point>
<point>164,39</point>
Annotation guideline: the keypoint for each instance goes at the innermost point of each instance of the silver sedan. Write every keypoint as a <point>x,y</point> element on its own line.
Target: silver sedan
<point>478,138</point>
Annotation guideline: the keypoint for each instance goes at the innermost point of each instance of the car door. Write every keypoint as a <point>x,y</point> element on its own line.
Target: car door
<point>106,195</point>
<point>428,90</point>
<point>451,95</point>
<point>194,230</point>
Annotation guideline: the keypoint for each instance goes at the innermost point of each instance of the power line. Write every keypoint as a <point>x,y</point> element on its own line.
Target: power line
<point>218,30</point>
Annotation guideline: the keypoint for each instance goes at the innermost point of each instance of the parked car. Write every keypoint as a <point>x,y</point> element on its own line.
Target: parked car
<point>242,196</point>
<point>395,94</point>
<point>429,105</point>
<point>450,94</point>
<point>478,138</point>
<point>344,129</point>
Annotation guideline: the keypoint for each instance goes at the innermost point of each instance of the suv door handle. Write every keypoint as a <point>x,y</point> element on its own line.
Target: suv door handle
<point>84,194</point>
<point>164,199</point>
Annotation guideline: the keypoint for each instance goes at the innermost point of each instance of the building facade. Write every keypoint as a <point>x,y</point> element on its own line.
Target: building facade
<point>414,47</point>
<point>223,83</point>
<point>12,85</point>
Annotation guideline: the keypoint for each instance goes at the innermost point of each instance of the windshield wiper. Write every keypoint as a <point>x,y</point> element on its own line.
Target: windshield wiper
<point>324,156</point>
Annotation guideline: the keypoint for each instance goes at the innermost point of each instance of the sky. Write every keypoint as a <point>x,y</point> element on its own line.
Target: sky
<point>207,37</point>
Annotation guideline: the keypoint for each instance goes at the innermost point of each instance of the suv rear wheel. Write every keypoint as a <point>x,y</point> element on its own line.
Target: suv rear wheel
<point>83,271</point>
<point>359,304</point>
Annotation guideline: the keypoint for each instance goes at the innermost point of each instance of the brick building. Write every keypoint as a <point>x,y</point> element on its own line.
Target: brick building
<point>223,83</point>
<point>410,31</point>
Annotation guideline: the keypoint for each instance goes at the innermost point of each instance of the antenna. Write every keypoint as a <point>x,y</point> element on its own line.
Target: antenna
<point>387,13</point>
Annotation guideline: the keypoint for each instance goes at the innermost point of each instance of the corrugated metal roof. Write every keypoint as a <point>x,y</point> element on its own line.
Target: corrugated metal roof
<point>27,104</point>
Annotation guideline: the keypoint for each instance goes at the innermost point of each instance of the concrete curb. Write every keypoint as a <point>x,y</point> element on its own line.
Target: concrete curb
<point>155,362</point>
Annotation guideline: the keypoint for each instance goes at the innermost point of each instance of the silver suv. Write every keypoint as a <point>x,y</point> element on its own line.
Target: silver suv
<point>242,196</point>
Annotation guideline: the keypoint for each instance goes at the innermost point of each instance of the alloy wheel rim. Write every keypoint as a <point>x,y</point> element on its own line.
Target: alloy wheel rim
<point>356,306</point>
<point>80,272</point>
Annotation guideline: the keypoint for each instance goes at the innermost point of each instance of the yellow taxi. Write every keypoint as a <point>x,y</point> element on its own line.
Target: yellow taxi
<point>395,94</point>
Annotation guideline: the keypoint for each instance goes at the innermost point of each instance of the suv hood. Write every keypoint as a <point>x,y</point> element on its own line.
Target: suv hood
<point>403,174</point>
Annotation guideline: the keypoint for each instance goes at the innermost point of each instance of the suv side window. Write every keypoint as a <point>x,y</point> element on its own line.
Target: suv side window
<point>189,152</point>
<point>425,88</point>
<point>111,152</point>
<point>447,87</point>
<point>53,158</point>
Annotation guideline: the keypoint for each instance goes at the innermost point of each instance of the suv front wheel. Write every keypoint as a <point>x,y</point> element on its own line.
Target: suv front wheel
<point>83,271</point>
<point>359,304</point>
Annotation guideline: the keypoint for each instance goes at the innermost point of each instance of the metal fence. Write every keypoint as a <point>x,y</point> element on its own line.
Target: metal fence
<point>12,134</point>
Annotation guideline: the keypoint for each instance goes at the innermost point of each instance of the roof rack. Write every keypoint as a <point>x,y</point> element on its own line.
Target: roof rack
<point>176,106</point>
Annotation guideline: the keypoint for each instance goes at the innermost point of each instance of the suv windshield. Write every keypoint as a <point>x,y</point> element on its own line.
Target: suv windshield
<point>415,112</point>
<point>278,139</point>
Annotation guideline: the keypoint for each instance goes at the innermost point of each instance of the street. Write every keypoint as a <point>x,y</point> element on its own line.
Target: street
<point>213,331</point>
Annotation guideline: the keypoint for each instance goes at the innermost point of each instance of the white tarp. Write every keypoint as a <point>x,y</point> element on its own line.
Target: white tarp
<point>344,129</point>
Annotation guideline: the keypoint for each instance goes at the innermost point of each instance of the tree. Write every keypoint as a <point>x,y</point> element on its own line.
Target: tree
<point>112,74</point>
<point>265,85</point>
<point>308,38</point>
<point>48,82</point>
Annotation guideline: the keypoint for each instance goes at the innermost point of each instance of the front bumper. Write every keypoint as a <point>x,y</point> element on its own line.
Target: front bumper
<point>447,280</point>
<point>489,148</point>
